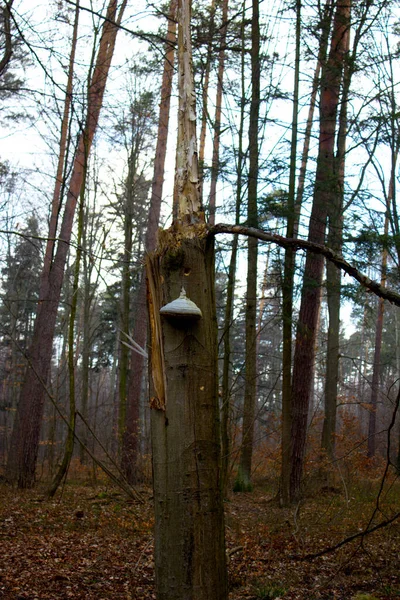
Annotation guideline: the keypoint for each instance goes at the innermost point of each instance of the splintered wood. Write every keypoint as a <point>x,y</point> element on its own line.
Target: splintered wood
<point>158,399</point>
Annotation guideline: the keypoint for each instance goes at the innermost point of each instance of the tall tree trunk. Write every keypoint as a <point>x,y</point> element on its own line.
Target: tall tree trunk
<point>130,446</point>
<point>25,437</point>
<point>289,265</point>
<point>230,288</point>
<point>378,347</point>
<point>189,530</point>
<point>243,481</point>
<point>334,275</point>
<point>324,194</point>
<point>56,200</point>
<point>69,444</point>
<point>86,345</point>
<point>288,282</point>
<point>125,305</point>
<point>217,118</point>
<point>206,83</point>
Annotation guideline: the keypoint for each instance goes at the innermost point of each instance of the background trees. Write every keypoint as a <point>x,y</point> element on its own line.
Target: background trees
<point>261,113</point>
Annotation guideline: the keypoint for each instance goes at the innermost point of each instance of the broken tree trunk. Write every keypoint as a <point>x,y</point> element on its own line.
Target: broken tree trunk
<point>189,525</point>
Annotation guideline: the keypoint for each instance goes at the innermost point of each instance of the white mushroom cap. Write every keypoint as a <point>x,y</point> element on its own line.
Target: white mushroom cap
<point>182,308</point>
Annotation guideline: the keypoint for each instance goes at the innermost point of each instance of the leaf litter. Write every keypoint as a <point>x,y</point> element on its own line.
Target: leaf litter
<point>96,544</point>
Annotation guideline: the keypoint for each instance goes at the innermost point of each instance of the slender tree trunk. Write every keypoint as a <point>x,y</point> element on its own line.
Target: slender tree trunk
<point>189,530</point>
<point>206,83</point>
<point>288,283</point>
<point>217,118</point>
<point>334,275</point>
<point>335,241</point>
<point>125,307</point>
<point>56,201</point>
<point>25,437</point>
<point>226,369</point>
<point>87,303</point>
<point>69,444</point>
<point>130,446</point>
<point>377,351</point>
<point>324,194</point>
<point>243,481</point>
<point>289,265</point>
<point>230,290</point>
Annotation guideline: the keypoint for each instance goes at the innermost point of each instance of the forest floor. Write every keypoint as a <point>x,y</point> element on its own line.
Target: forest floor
<point>94,543</point>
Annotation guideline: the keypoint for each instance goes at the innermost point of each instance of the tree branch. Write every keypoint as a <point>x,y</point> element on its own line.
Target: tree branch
<point>150,38</point>
<point>296,243</point>
<point>351,538</point>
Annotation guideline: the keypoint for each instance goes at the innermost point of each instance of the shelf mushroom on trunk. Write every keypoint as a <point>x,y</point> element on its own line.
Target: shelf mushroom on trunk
<point>181,308</point>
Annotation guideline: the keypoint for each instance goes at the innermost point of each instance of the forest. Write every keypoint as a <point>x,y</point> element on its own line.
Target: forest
<point>199,299</point>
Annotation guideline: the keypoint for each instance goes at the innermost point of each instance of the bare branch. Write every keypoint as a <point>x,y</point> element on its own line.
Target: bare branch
<point>296,243</point>
<point>351,538</point>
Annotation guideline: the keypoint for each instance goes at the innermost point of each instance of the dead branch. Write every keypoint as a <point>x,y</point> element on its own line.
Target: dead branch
<point>351,538</point>
<point>296,244</point>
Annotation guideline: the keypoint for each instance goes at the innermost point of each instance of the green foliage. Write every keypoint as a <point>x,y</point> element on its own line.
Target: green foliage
<point>268,590</point>
<point>106,319</point>
<point>20,284</point>
<point>241,486</point>
<point>390,591</point>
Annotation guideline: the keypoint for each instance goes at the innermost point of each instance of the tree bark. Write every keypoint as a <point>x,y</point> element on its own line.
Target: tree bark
<point>21,465</point>
<point>125,305</point>
<point>206,83</point>
<point>56,200</point>
<point>324,194</point>
<point>294,205</point>
<point>230,288</point>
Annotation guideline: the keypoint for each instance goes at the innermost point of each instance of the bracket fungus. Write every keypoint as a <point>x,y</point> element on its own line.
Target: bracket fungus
<point>181,308</point>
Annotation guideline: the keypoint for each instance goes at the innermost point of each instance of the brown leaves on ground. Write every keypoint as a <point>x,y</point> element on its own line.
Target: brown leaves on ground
<point>88,544</point>
<point>95,544</point>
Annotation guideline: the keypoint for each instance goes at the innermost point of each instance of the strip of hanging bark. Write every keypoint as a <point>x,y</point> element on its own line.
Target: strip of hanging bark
<point>157,401</point>
<point>298,244</point>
